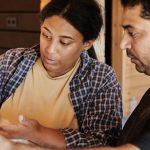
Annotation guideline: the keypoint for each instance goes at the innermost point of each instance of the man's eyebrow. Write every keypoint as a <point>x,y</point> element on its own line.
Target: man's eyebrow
<point>63,36</point>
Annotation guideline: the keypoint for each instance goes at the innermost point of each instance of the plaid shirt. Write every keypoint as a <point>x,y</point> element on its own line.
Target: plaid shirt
<point>94,92</point>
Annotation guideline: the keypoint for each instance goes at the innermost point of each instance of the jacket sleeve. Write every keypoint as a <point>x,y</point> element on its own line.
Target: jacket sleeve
<point>143,141</point>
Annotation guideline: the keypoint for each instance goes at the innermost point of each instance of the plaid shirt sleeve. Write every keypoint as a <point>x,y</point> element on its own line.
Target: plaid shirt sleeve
<point>9,63</point>
<point>3,71</point>
<point>100,123</point>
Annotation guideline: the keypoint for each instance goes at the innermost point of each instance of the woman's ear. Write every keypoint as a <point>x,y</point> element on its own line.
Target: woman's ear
<point>88,44</point>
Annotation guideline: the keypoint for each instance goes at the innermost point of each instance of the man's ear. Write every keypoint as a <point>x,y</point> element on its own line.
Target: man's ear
<point>88,44</point>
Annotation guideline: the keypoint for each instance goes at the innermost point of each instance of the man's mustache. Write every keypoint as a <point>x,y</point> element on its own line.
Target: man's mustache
<point>129,54</point>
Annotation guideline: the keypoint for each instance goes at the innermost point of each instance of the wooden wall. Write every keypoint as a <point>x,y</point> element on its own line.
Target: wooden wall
<point>43,3</point>
<point>19,23</point>
<point>116,36</point>
<point>134,83</point>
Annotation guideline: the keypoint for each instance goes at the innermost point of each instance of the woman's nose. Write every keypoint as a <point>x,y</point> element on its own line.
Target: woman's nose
<point>52,48</point>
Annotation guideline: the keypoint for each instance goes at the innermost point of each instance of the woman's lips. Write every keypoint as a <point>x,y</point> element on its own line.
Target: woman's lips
<point>50,61</point>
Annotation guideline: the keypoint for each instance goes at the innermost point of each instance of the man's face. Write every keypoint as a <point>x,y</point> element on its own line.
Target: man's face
<point>136,38</point>
<point>60,45</point>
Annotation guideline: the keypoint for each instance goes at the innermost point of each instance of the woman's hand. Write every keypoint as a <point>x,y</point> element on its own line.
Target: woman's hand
<point>27,128</point>
<point>31,130</point>
<point>6,144</point>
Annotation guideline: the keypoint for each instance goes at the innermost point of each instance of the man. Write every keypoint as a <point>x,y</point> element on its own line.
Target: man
<point>136,41</point>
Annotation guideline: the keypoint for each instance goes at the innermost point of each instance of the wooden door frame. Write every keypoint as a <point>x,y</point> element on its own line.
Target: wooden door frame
<point>117,53</point>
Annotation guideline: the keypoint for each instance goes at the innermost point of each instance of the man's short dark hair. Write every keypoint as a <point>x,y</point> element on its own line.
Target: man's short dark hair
<point>145,13</point>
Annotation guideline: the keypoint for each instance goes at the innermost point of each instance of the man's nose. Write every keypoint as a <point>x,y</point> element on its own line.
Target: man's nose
<point>125,43</point>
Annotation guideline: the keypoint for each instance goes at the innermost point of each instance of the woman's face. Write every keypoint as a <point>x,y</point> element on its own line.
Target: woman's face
<point>60,45</point>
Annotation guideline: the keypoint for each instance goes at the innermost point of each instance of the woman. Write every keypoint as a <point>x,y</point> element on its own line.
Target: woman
<point>71,99</point>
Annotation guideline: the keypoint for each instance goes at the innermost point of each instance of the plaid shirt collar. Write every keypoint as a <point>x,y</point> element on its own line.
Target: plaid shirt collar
<point>21,61</point>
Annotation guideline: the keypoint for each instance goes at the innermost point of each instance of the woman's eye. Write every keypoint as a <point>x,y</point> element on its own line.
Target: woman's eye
<point>64,43</point>
<point>46,36</point>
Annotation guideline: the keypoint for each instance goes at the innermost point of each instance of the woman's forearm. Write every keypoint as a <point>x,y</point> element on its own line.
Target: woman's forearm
<point>50,138</point>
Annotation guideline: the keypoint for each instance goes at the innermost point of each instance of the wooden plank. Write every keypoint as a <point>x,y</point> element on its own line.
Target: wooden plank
<point>136,91</point>
<point>18,39</point>
<point>20,21</point>
<point>116,36</point>
<point>135,81</point>
<point>43,3</point>
<point>20,5</point>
